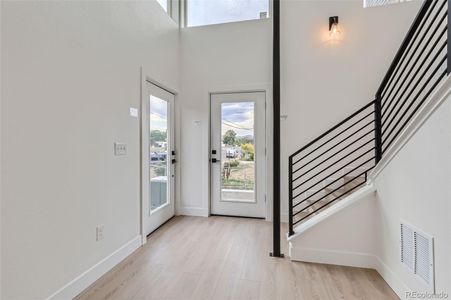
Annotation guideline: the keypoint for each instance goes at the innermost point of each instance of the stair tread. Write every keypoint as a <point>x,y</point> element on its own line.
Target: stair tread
<point>319,198</point>
<point>334,198</point>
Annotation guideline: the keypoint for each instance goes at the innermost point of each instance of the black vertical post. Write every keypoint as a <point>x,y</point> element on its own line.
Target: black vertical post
<point>448,53</point>
<point>290,196</point>
<point>378,126</point>
<point>276,135</point>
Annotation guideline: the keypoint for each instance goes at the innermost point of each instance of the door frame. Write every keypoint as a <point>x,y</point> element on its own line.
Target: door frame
<point>257,209</point>
<point>145,80</point>
<point>267,89</point>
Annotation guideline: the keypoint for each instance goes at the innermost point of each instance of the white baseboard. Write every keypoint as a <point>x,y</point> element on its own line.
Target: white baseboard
<point>84,280</point>
<point>192,211</point>
<point>351,259</point>
<point>392,280</point>
<point>284,217</point>
<point>340,258</point>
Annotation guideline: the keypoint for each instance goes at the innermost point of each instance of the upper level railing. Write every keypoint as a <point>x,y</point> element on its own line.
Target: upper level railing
<point>337,163</point>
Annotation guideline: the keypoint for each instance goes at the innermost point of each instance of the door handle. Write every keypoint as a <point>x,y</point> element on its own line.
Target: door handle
<point>214,160</point>
<point>173,161</point>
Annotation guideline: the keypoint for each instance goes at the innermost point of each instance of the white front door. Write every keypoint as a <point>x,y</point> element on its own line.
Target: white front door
<point>238,154</point>
<point>158,157</point>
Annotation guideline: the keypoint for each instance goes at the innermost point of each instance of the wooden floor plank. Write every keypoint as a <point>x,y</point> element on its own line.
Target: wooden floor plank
<point>228,258</point>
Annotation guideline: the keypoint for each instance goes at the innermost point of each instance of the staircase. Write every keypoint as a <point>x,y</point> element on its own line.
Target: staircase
<point>339,162</point>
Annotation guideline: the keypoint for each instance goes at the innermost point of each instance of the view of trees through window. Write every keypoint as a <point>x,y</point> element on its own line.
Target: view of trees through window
<point>158,149</point>
<point>237,158</point>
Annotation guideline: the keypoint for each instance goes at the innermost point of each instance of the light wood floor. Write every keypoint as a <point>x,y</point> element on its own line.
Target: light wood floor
<point>227,258</point>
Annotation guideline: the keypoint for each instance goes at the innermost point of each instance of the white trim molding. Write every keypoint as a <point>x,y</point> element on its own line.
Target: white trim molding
<point>88,277</point>
<point>352,259</point>
<point>391,278</point>
<point>339,258</point>
<point>192,211</point>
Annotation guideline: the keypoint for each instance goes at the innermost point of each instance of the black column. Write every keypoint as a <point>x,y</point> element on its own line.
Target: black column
<point>276,135</point>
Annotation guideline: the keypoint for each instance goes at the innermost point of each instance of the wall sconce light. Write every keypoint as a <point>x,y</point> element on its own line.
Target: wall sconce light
<point>334,30</point>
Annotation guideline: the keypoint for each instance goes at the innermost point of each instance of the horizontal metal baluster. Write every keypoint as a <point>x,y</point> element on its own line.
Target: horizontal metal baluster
<point>415,98</point>
<point>406,87</point>
<point>355,123</point>
<point>398,109</point>
<point>345,139</point>
<point>413,28</point>
<point>406,52</point>
<point>356,187</point>
<point>437,27</point>
<point>333,164</point>
<point>330,193</point>
<point>355,159</point>
<point>343,131</point>
<point>362,164</point>
<point>386,116</point>
<point>415,110</point>
<point>333,128</point>
<point>333,155</point>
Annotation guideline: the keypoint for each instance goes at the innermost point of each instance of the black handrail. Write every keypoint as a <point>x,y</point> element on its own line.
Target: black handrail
<point>333,128</point>
<point>419,66</point>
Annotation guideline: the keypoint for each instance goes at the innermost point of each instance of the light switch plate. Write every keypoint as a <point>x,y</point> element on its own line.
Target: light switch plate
<point>134,112</point>
<point>120,149</point>
<point>99,232</point>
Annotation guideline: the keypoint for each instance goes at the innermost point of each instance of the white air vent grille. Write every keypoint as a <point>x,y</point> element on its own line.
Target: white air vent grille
<point>423,263</point>
<point>417,253</point>
<point>407,247</point>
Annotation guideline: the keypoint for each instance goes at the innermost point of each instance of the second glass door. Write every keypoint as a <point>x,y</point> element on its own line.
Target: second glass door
<point>159,157</point>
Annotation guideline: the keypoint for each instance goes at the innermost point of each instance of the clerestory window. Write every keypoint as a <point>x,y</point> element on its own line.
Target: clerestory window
<point>207,12</point>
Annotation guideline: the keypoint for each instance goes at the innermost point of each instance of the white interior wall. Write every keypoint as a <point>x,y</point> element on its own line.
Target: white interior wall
<point>82,59</point>
<point>216,58</point>
<point>238,55</point>
<point>344,238</point>
<point>414,188</point>
<point>321,84</point>
<point>70,72</point>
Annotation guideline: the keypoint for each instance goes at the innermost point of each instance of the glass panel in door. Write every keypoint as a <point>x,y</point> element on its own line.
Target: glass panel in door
<point>237,152</point>
<point>158,149</point>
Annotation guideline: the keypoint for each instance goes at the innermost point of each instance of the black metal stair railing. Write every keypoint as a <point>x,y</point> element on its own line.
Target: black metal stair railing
<point>332,165</point>
<point>337,163</point>
<point>422,66</point>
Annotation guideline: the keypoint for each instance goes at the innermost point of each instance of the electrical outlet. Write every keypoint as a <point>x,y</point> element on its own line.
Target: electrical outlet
<point>120,149</point>
<point>99,232</point>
